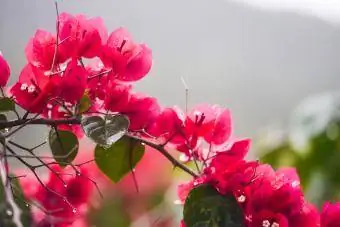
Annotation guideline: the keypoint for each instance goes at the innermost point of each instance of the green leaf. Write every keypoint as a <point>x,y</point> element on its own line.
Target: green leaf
<point>313,115</point>
<point>3,118</point>
<point>119,158</point>
<point>105,131</point>
<point>64,146</point>
<point>205,207</point>
<point>6,104</point>
<point>84,104</point>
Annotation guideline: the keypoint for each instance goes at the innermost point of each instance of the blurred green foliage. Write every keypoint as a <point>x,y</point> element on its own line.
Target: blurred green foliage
<point>311,143</point>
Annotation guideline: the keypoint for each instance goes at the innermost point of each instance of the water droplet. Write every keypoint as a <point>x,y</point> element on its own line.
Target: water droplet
<point>9,212</point>
<point>78,174</point>
<point>74,210</point>
<point>178,202</point>
<point>65,185</point>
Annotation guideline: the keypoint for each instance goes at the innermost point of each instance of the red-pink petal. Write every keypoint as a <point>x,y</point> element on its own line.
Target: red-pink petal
<point>138,65</point>
<point>117,97</point>
<point>169,123</point>
<point>142,111</point>
<point>41,48</point>
<point>4,71</point>
<point>330,215</point>
<point>221,130</point>
<point>74,82</point>
<point>80,36</point>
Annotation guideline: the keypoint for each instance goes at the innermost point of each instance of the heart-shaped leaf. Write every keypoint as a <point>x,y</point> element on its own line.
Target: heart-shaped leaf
<point>106,131</point>
<point>6,104</point>
<point>64,146</point>
<point>120,158</point>
<point>206,207</point>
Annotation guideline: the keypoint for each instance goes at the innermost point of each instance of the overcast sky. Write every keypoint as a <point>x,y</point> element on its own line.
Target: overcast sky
<point>259,63</point>
<point>328,10</point>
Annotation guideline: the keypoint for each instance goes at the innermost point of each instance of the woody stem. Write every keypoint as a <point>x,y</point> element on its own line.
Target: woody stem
<point>76,121</point>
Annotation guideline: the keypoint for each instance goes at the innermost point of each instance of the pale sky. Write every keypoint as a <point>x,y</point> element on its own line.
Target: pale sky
<point>328,10</point>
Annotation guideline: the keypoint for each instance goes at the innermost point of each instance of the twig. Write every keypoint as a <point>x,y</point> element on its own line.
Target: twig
<point>39,159</point>
<point>165,153</point>
<point>73,120</point>
<point>99,74</point>
<point>57,38</point>
<point>39,121</point>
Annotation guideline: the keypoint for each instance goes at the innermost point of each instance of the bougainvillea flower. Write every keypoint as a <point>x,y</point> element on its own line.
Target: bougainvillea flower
<point>117,97</point>
<point>81,37</point>
<point>34,89</point>
<point>169,125</point>
<point>307,217</point>
<point>40,50</point>
<point>264,206</point>
<point>128,61</point>
<point>330,215</point>
<point>66,200</point>
<point>204,122</point>
<point>232,156</point>
<point>4,71</point>
<point>211,122</point>
<point>141,111</point>
<point>74,82</point>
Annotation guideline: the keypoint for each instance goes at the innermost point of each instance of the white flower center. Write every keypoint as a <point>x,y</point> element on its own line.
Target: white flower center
<point>294,184</point>
<point>265,223</point>
<point>23,87</point>
<point>31,89</point>
<point>241,199</point>
<point>275,224</point>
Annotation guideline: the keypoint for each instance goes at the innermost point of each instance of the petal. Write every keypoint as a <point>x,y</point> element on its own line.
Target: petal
<point>74,82</point>
<point>40,50</point>
<point>4,71</point>
<point>138,65</point>
<point>221,130</point>
<point>142,111</point>
<point>117,97</point>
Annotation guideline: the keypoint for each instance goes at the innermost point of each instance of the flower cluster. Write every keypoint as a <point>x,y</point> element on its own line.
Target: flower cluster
<point>83,70</point>
<point>55,79</point>
<point>65,199</point>
<point>267,197</point>
<point>188,133</point>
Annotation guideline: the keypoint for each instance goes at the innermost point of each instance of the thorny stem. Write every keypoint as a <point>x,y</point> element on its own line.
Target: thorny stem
<point>41,121</point>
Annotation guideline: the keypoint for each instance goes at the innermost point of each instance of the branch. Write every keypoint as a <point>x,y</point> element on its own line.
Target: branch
<point>38,121</point>
<point>165,153</point>
<point>74,121</point>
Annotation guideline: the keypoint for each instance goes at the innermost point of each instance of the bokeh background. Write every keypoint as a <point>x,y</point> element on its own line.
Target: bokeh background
<point>260,58</point>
